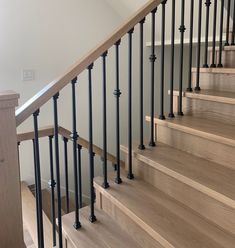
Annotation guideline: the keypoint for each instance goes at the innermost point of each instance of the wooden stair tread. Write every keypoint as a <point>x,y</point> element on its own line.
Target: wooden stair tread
<point>104,233</point>
<point>206,128</point>
<point>210,178</point>
<point>165,219</point>
<point>210,95</point>
<point>225,48</point>
<point>216,70</point>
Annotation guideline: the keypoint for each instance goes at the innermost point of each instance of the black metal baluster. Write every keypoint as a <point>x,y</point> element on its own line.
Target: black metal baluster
<point>221,34</point>
<point>181,62</point>
<point>189,89</point>
<point>152,59</point>
<point>213,65</point>
<point>172,71</point>
<point>52,185</point>
<point>74,135</point>
<point>117,94</point>
<point>105,183</point>
<point>228,23</point>
<point>130,173</point>
<point>66,173</point>
<point>162,116</point>
<point>207,3</point>
<point>57,163</point>
<point>92,217</point>
<point>197,88</point>
<point>141,145</point>
<point>38,182</point>
<point>79,149</point>
<point>233,34</point>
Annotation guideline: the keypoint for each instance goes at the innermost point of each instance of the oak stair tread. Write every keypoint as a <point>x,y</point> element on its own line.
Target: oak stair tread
<point>210,95</point>
<point>104,233</point>
<point>167,221</point>
<point>225,48</point>
<point>211,178</point>
<point>215,70</point>
<point>206,128</point>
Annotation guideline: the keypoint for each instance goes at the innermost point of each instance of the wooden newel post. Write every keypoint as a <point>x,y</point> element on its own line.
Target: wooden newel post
<point>11,225</point>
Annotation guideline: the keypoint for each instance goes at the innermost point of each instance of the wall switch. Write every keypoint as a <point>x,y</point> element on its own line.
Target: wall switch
<point>28,75</point>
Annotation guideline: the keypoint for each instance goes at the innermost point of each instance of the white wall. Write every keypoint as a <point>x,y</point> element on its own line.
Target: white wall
<point>48,36</point>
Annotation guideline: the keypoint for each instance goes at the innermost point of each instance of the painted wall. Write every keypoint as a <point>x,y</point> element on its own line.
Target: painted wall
<point>48,36</point>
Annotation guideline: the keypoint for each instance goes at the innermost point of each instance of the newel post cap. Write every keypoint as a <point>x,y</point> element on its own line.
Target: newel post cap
<point>8,99</point>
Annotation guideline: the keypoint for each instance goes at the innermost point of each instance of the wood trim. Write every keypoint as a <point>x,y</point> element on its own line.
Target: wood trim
<point>29,213</point>
<point>47,131</point>
<point>84,143</point>
<point>216,70</point>
<point>11,228</point>
<point>55,86</point>
<point>42,132</point>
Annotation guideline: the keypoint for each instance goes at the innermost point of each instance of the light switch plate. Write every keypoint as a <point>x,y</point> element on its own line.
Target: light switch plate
<point>28,75</point>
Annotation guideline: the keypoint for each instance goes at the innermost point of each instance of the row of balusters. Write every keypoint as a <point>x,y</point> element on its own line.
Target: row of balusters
<point>55,182</point>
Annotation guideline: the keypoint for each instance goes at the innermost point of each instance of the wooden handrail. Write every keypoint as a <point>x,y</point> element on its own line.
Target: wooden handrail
<point>55,86</point>
<point>42,132</point>
<point>49,130</point>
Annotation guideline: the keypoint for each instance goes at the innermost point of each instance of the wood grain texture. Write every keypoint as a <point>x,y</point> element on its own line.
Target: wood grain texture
<point>54,87</point>
<point>29,217</point>
<point>104,233</point>
<point>48,131</point>
<point>216,79</point>
<point>165,220</point>
<point>204,186</point>
<point>213,105</point>
<point>11,228</point>
<point>127,224</point>
<point>208,129</point>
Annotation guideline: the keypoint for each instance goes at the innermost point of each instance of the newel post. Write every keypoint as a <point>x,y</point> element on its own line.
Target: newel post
<point>11,227</point>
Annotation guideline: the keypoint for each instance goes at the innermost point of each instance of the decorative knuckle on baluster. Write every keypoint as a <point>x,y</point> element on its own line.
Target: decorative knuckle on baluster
<point>74,136</point>
<point>52,183</point>
<point>117,93</point>
<point>208,3</point>
<point>56,96</point>
<point>152,58</point>
<point>182,28</point>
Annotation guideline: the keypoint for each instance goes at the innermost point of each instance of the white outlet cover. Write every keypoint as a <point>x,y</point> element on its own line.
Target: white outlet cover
<point>28,75</point>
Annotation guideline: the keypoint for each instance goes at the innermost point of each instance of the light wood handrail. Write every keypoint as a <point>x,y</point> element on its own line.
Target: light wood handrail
<point>49,130</point>
<point>55,86</point>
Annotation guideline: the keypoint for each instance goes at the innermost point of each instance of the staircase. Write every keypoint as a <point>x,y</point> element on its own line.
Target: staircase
<point>183,194</point>
<point>174,190</point>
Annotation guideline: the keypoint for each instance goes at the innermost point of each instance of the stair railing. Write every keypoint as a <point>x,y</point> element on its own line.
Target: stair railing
<point>51,92</point>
